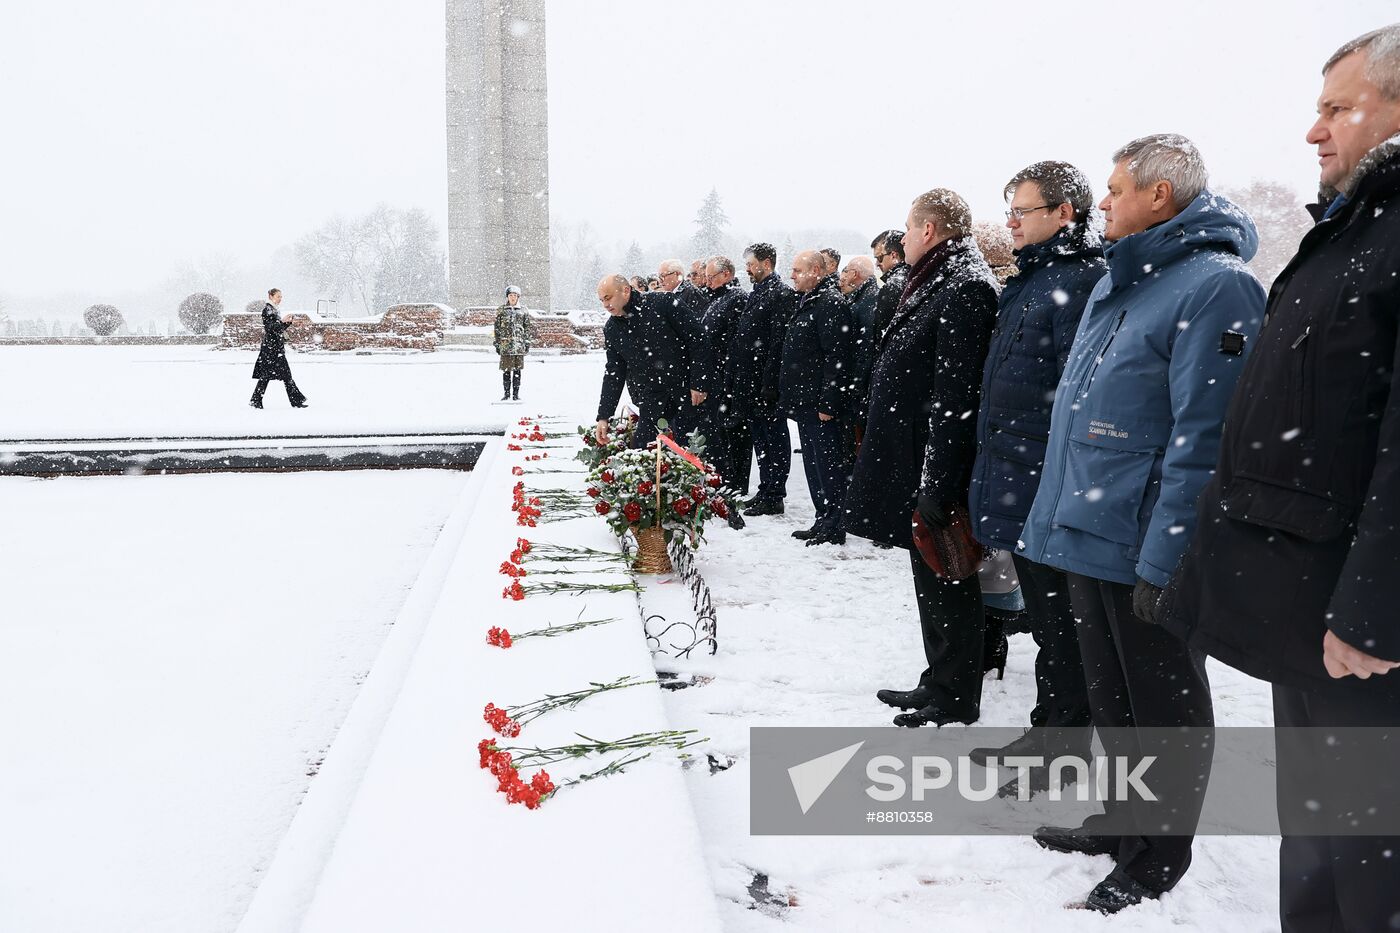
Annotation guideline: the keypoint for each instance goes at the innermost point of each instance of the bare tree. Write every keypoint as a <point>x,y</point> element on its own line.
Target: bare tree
<point>339,257</point>
<point>1281,220</point>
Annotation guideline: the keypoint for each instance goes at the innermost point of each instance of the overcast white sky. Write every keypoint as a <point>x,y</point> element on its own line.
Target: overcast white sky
<point>138,133</point>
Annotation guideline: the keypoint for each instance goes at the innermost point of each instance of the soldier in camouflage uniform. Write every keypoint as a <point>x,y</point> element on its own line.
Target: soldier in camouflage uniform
<point>513,335</point>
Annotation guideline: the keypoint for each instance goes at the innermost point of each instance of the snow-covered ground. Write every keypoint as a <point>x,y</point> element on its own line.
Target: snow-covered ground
<point>176,655</point>
<point>806,637</point>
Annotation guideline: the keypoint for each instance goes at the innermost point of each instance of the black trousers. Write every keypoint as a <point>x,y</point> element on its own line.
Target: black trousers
<point>1061,694</point>
<point>772,441</point>
<point>294,395</point>
<point>824,462</point>
<point>951,619</point>
<point>510,382</point>
<point>729,446</point>
<point>1140,675</point>
<point>680,415</point>
<point>1334,884</point>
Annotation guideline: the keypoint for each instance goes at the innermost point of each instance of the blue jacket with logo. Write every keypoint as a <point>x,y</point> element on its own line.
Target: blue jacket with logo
<point>1137,416</point>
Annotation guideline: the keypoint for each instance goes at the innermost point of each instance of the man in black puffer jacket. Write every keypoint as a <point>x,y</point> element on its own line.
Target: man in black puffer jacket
<point>1059,260</point>
<point>1294,572</point>
<point>755,358</point>
<point>815,390</point>
<point>888,248</point>
<point>656,349</point>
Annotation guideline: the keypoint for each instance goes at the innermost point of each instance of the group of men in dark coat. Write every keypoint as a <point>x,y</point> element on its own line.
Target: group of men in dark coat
<point>1180,465</point>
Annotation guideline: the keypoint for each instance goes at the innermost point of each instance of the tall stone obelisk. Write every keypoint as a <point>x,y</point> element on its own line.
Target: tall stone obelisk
<point>497,152</point>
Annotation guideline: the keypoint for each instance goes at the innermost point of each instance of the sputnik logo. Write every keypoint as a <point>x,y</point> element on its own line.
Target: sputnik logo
<point>811,778</point>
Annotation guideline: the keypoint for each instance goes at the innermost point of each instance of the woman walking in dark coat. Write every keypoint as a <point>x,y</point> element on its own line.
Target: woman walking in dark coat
<point>272,357</point>
<point>920,443</point>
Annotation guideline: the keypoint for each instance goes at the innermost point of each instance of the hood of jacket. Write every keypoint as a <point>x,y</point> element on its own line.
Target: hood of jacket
<point>1209,222</point>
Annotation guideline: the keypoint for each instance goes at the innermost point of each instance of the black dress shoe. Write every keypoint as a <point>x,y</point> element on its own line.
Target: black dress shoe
<point>764,507</point>
<point>1116,892</point>
<point>827,537</point>
<point>1028,743</point>
<point>301,404</point>
<point>736,521</point>
<point>802,534</point>
<point>1064,839</point>
<point>934,715</point>
<point>905,699</point>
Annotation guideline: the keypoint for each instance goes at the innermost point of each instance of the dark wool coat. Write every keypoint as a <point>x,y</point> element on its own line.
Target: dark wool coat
<point>1037,317</point>
<point>919,432</point>
<point>1299,530</point>
<point>272,356</point>
<point>817,363</point>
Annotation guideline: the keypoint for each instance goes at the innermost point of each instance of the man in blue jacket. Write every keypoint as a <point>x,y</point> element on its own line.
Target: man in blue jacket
<point>1059,260</point>
<point>1133,438</point>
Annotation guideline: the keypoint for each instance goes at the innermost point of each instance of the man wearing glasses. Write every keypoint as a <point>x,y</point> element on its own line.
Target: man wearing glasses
<point>888,249</point>
<point>1059,259</point>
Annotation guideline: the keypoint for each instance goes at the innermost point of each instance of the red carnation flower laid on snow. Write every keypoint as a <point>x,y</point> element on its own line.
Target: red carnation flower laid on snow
<point>512,570</point>
<point>514,447</point>
<point>523,544</point>
<point>517,556</point>
<point>632,512</point>
<point>542,784</point>
<point>500,720</point>
<point>603,507</point>
<point>517,471</point>
<point>515,591</point>
<point>682,506</point>
<point>498,637</point>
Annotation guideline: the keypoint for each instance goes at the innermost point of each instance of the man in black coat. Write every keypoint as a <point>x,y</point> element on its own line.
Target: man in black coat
<point>888,248</point>
<point>727,432</point>
<point>656,350</point>
<point>1059,260</point>
<point>860,286</point>
<point>1293,575</point>
<point>919,445</point>
<point>815,390</point>
<point>753,369</point>
<point>272,355</point>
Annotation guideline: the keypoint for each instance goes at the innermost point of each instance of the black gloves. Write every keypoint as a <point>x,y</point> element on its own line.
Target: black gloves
<point>933,512</point>
<point>1146,596</point>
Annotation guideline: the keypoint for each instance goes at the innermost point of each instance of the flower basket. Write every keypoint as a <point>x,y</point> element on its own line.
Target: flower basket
<point>651,550</point>
<point>663,487</point>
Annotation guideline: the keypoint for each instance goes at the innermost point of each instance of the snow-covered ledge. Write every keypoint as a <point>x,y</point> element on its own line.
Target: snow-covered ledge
<point>427,844</point>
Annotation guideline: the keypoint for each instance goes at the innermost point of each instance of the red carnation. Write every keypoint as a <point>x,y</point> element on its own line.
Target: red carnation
<point>515,591</point>
<point>697,493</point>
<point>594,492</point>
<point>682,507</point>
<point>498,637</point>
<point>632,512</point>
<point>517,556</point>
<point>608,477</point>
<point>517,471</point>
<point>542,784</point>
<point>714,482</point>
<point>512,570</point>
<point>603,507</point>
<point>721,509</point>
<point>523,544</point>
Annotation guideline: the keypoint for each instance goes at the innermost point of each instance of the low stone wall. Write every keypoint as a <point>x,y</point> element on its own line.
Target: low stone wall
<point>402,327</point>
<point>127,340</point>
